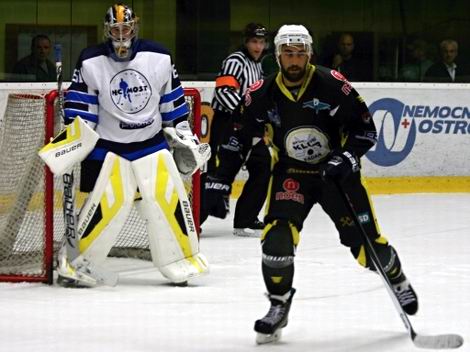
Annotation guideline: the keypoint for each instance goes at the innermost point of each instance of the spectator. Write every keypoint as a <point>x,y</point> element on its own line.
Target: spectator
<point>414,71</point>
<point>349,64</point>
<point>447,69</point>
<point>37,66</point>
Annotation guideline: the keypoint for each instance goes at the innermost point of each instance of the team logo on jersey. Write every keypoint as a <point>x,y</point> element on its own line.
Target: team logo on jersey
<point>316,105</point>
<point>130,91</point>
<point>307,144</point>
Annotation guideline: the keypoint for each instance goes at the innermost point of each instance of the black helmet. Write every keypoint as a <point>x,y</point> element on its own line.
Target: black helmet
<point>252,30</point>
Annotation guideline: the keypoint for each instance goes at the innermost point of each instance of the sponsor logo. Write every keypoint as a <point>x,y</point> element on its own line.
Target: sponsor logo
<point>87,218</point>
<point>316,105</point>
<point>291,187</point>
<point>364,218</point>
<point>188,216</point>
<point>307,144</point>
<point>136,125</point>
<point>69,210</point>
<point>130,91</point>
<point>346,88</point>
<point>407,122</point>
<point>68,149</point>
<point>346,221</point>
<point>255,86</point>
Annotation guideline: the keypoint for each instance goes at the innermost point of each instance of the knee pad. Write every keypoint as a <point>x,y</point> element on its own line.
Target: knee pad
<point>279,241</point>
<point>386,253</point>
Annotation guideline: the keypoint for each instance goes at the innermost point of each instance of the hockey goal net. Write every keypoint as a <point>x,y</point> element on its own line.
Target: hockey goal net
<point>31,218</point>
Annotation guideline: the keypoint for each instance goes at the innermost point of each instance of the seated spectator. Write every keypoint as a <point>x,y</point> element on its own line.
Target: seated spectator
<point>414,71</point>
<point>447,70</point>
<point>349,64</point>
<point>37,66</point>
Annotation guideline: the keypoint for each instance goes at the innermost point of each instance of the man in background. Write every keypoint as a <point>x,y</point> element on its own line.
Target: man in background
<point>447,70</point>
<point>37,66</point>
<point>346,62</point>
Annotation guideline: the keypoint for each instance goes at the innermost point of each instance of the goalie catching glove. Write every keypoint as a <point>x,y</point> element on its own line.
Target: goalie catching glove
<point>188,153</point>
<point>70,146</point>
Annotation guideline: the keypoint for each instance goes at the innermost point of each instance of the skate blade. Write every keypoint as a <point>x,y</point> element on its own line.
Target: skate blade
<point>268,338</point>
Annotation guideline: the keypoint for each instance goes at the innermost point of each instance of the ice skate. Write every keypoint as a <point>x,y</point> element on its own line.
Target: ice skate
<point>82,275</point>
<point>254,230</point>
<point>269,328</point>
<point>406,294</point>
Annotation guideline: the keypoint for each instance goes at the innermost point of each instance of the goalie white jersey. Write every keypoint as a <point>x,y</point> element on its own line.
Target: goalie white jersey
<point>126,101</point>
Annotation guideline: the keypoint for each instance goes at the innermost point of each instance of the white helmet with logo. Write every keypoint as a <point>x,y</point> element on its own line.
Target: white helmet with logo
<point>292,34</point>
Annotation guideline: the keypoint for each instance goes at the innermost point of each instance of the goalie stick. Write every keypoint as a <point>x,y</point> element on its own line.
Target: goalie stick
<point>429,341</point>
<point>70,218</point>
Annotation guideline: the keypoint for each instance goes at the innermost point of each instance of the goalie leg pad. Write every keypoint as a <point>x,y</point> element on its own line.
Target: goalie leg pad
<point>172,235</point>
<point>106,209</point>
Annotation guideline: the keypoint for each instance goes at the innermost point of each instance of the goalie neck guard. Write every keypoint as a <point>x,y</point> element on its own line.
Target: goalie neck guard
<point>121,28</point>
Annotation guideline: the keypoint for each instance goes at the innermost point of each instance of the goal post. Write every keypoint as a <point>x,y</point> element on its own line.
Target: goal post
<point>31,220</point>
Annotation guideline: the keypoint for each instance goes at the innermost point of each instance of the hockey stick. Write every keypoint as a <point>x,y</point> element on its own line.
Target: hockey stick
<point>70,218</point>
<point>431,342</point>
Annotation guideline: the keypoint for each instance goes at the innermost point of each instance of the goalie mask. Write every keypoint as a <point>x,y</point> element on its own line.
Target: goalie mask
<point>121,27</point>
<point>291,34</point>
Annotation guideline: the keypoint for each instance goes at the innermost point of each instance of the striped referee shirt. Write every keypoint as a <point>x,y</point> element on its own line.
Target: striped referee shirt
<point>239,71</point>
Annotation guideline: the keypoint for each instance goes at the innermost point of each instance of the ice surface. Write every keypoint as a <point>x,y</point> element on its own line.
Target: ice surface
<point>338,306</point>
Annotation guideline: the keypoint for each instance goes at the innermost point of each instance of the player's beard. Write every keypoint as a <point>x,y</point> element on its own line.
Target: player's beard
<point>293,73</point>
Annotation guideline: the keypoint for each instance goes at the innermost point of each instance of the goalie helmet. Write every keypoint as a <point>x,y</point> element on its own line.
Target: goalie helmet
<point>121,27</point>
<point>292,34</point>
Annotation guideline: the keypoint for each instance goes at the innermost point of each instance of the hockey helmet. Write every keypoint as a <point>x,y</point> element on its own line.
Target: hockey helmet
<point>121,27</point>
<point>292,34</point>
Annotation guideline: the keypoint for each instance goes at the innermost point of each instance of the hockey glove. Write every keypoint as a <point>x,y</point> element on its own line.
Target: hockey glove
<point>339,166</point>
<point>217,193</point>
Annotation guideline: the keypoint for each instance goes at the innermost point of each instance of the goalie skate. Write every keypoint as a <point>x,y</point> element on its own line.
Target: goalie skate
<point>269,328</point>
<point>83,275</point>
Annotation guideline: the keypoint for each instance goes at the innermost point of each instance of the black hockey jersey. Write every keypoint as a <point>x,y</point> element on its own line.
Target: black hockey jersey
<point>325,115</point>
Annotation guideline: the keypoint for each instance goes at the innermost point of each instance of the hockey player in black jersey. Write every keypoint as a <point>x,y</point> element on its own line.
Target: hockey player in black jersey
<point>321,127</point>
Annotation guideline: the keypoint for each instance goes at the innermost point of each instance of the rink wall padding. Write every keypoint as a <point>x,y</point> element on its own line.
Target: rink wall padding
<point>423,134</point>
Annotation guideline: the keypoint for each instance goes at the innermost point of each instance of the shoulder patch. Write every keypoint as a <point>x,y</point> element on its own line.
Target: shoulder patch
<point>255,86</point>
<point>346,88</point>
<point>338,76</point>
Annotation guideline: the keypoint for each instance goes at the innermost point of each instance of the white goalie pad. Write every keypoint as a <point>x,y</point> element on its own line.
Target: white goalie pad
<point>170,225</point>
<point>106,209</point>
<point>188,153</point>
<point>69,147</point>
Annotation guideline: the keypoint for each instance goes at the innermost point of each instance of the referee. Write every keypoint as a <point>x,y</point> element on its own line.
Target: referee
<point>239,71</point>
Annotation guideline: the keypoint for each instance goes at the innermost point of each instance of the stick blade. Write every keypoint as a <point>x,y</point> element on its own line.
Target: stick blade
<point>438,342</point>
